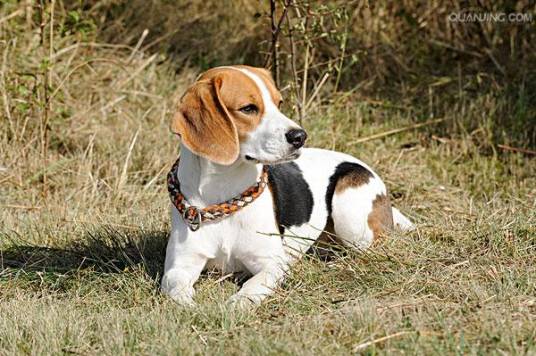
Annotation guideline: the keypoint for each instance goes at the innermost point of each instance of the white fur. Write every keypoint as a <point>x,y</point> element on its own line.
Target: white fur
<point>249,239</point>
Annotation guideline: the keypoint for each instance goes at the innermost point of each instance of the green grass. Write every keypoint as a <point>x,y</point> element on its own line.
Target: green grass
<point>81,261</point>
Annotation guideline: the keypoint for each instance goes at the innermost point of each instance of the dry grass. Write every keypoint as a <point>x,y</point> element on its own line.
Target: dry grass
<point>81,256</point>
<point>406,53</point>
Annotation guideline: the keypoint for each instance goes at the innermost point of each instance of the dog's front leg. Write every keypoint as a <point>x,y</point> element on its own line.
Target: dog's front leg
<point>181,272</point>
<point>260,286</point>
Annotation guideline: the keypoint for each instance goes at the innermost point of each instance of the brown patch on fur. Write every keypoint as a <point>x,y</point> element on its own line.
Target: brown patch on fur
<point>238,91</point>
<point>327,242</point>
<point>353,179</point>
<point>328,237</point>
<point>380,218</point>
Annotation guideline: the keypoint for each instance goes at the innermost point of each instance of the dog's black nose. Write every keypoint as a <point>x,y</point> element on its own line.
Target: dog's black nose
<point>296,137</point>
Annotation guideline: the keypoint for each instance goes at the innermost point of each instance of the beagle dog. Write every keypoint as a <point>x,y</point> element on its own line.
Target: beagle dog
<point>235,139</point>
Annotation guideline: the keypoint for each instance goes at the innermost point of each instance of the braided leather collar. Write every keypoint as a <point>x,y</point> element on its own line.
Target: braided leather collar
<point>194,216</point>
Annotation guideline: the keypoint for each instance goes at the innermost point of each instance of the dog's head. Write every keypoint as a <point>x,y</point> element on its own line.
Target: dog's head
<point>232,113</point>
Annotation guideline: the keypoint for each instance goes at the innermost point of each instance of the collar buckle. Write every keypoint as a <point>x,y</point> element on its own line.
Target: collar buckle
<point>192,218</point>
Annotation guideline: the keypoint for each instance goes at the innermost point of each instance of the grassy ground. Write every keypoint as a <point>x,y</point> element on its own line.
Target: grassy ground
<point>84,219</point>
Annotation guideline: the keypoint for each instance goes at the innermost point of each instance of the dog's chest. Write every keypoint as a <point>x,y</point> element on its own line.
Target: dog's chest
<point>225,262</point>
<point>238,241</point>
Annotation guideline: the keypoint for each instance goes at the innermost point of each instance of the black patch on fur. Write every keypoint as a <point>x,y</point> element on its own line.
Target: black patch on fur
<point>293,199</point>
<point>344,169</point>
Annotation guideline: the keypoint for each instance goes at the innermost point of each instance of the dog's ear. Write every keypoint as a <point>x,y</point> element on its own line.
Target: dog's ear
<point>205,125</point>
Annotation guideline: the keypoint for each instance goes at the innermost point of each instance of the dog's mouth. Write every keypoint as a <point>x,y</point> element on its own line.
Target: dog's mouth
<point>290,157</point>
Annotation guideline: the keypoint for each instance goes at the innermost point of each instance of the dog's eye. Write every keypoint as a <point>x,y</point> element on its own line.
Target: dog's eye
<point>249,109</point>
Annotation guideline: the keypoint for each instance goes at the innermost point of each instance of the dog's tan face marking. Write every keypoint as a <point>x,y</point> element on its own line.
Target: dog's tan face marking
<point>380,218</point>
<point>266,77</point>
<point>242,98</point>
<point>239,90</point>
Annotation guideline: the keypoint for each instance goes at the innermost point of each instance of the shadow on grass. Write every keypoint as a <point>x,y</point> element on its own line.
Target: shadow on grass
<point>104,250</point>
<point>108,250</point>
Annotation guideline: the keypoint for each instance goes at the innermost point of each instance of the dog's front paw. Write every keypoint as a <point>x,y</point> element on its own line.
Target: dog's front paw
<point>179,297</point>
<point>182,295</point>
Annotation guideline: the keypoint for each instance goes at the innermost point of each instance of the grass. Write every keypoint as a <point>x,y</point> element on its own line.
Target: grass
<point>84,223</point>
